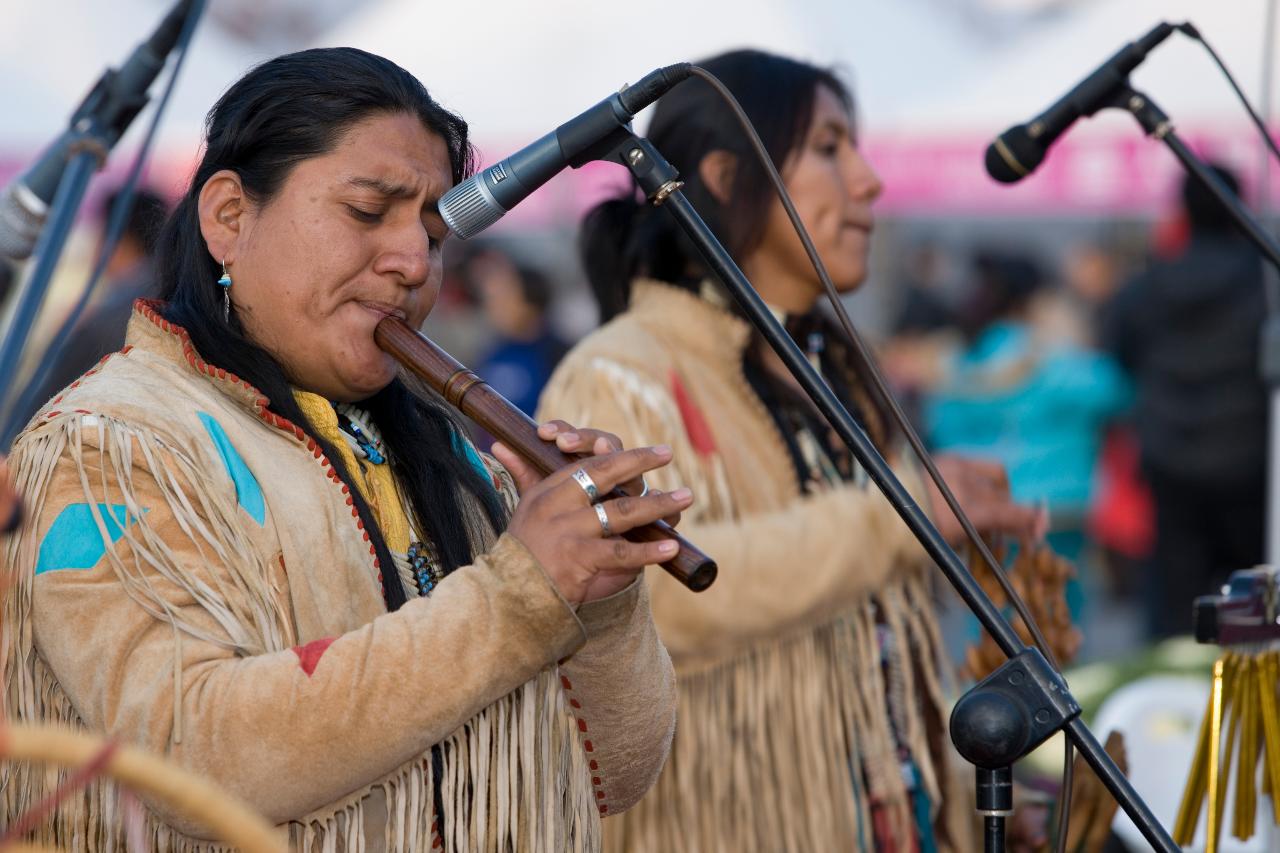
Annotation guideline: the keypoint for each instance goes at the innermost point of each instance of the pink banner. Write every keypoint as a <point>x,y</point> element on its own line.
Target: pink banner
<point>1121,175</point>
<point>1083,175</point>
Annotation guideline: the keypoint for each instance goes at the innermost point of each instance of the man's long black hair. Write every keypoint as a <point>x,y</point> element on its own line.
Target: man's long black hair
<point>281,113</point>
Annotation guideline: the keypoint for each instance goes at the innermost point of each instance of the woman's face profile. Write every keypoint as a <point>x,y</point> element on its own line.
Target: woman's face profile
<point>833,188</point>
<point>352,236</point>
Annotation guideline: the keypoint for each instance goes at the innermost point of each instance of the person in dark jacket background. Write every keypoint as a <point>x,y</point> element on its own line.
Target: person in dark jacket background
<point>1187,329</point>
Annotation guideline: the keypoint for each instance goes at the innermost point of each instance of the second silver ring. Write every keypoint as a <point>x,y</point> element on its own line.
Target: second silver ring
<point>603,515</point>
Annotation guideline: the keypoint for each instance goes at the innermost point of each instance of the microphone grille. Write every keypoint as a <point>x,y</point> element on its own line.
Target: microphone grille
<point>22,216</point>
<point>469,208</point>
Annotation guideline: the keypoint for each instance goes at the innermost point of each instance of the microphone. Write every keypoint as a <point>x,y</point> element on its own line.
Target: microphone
<point>485,197</point>
<point>111,104</point>
<point>1018,151</point>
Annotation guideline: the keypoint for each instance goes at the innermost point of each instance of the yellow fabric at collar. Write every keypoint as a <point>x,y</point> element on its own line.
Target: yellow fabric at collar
<point>376,483</point>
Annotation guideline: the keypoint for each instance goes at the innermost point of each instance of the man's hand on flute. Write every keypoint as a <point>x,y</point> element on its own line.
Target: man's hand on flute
<point>577,539</point>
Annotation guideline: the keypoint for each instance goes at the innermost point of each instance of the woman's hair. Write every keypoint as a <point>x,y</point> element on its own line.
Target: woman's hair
<point>280,114</point>
<point>623,238</point>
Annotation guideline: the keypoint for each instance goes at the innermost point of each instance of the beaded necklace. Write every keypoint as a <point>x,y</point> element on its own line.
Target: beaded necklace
<point>425,567</point>
<point>365,441</point>
<point>360,433</point>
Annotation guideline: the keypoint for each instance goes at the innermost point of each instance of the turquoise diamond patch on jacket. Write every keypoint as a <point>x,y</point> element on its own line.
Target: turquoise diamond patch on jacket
<point>74,540</point>
<point>248,492</point>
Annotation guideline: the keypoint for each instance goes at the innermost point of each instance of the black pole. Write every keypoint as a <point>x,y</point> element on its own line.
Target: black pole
<point>1156,123</point>
<point>995,804</point>
<point>993,834</point>
<point>660,182</point>
<point>62,216</point>
<point>93,130</point>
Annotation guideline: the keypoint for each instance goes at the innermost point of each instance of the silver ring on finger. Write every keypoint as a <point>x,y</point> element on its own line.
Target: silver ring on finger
<point>603,515</point>
<point>583,479</point>
<point>644,488</point>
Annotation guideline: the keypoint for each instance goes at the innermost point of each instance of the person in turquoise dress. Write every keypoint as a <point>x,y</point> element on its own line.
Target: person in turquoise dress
<point>1039,407</point>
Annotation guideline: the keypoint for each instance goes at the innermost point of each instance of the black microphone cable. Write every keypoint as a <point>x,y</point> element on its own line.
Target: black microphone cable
<point>116,220</point>
<point>1189,29</point>
<point>881,388</point>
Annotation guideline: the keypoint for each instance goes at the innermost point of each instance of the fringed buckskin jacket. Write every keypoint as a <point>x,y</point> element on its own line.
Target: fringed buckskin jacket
<point>193,579</point>
<point>791,705</point>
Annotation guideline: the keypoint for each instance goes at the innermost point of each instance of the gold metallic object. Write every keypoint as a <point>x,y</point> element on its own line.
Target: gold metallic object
<point>1215,743</point>
<point>1243,698</point>
<point>1246,803</point>
<point>1184,826</point>
<point>1245,621</point>
<point>1269,678</point>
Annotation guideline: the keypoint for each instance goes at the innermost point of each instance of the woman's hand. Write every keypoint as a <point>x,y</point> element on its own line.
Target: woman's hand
<point>982,490</point>
<point>10,504</point>
<point>560,527</point>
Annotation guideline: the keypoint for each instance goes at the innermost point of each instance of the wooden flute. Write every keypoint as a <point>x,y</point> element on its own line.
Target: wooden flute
<point>471,395</point>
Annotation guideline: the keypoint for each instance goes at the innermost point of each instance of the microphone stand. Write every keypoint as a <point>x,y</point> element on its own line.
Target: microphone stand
<point>90,147</point>
<point>1156,123</point>
<point>1024,701</point>
<point>95,127</point>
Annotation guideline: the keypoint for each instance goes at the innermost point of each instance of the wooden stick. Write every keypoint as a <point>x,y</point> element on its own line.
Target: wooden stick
<point>193,797</point>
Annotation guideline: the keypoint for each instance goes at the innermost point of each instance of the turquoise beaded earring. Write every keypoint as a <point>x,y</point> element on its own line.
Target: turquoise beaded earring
<point>225,284</point>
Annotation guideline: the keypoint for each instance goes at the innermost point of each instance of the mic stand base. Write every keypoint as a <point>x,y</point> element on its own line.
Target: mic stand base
<point>656,176</point>
<point>1001,719</point>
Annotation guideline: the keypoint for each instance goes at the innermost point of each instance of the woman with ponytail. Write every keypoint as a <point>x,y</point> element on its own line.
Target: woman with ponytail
<point>250,545</point>
<point>811,675</point>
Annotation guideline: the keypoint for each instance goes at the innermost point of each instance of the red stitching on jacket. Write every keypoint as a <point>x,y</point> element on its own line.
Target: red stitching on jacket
<point>97,367</point>
<point>596,781</point>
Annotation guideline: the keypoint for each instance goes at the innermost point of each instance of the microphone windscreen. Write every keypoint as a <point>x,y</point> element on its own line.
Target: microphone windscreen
<point>1013,155</point>
<point>22,216</point>
<point>469,208</point>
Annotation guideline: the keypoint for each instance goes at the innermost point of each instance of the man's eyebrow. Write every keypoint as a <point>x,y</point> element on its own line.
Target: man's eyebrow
<point>383,187</point>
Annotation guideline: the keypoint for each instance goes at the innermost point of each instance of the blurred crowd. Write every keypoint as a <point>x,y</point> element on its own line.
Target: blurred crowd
<point>1119,388</point>
<point>1124,395</point>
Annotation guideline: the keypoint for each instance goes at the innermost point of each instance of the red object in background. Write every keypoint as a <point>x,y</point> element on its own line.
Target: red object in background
<point>1122,518</point>
<point>1170,235</point>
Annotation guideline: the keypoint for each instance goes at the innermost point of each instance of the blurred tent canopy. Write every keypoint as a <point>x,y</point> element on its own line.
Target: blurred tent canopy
<point>935,79</point>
